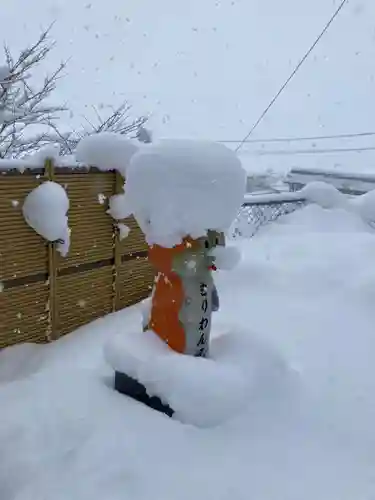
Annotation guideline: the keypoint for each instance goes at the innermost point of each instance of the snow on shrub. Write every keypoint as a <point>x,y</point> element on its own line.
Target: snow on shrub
<point>45,210</point>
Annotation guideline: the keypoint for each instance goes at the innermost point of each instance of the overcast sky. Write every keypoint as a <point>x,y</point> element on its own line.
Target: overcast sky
<point>206,68</point>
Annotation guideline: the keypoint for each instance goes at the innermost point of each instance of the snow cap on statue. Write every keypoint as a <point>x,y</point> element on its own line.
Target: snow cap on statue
<point>179,188</point>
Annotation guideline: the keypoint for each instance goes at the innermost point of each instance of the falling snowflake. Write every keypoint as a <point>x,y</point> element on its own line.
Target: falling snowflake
<point>15,203</point>
<point>81,303</point>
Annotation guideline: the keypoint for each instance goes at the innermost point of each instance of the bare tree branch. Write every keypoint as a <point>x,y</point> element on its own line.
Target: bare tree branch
<point>118,122</point>
<point>21,105</point>
<point>27,122</point>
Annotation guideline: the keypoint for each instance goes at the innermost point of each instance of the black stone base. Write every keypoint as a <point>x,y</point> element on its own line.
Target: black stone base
<point>134,389</point>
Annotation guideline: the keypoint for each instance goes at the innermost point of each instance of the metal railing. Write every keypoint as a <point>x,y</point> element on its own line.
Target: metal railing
<point>257,211</point>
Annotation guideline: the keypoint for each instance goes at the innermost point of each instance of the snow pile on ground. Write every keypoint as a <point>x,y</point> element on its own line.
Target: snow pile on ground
<point>306,287</point>
<point>201,391</point>
<point>106,151</point>
<point>327,196</point>
<point>45,210</point>
<point>365,206</point>
<point>179,188</point>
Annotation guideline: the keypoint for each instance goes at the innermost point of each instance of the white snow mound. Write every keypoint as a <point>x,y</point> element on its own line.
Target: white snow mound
<point>182,187</point>
<point>364,206</point>
<point>329,197</point>
<point>203,392</point>
<point>325,195</point>
<point>106,151</point>
<point>45,210</point>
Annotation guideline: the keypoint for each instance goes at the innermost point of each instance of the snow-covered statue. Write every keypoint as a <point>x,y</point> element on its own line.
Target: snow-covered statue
<point>184,196</point>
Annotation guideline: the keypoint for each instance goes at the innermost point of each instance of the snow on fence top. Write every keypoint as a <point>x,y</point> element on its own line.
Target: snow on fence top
<point>272,198</point>
<point>107,151</point>
<point>174,188</point>
<point>38,159</point>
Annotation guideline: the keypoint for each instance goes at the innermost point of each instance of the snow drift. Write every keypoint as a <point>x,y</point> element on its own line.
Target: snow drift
<point>305,285</point>
<point>203,392</point>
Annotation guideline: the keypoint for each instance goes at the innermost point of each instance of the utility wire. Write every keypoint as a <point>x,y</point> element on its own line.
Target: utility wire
<point>325,29</point>
<point>284,152</point>
<point>297,139</point>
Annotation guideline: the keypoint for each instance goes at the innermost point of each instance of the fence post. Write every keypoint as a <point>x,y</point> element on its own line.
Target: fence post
<point>52,270</point>
<point>119,188</point>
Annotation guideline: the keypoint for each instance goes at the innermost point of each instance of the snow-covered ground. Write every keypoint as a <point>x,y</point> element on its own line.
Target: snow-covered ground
<point>303,296</point>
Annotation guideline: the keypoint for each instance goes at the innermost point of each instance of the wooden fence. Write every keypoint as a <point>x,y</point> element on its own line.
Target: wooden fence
<point>43,295</point>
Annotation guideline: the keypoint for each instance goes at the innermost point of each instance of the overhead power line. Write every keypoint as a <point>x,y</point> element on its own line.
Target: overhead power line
<point>285,152</point>
<point>283,87</point>
<point>297,139</point>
